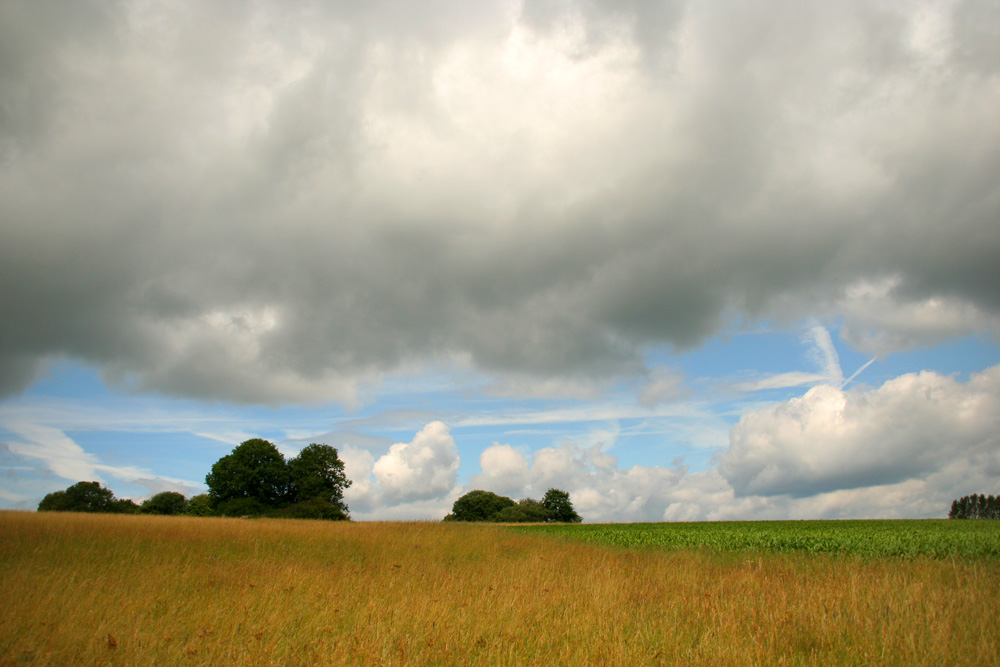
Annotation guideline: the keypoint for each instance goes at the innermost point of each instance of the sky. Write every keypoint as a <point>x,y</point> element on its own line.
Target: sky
<point>686,260</point>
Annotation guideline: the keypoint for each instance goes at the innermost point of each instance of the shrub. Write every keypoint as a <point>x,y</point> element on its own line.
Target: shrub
<point>200,505</point>
<point>317,508</point>
<point>242,507</point>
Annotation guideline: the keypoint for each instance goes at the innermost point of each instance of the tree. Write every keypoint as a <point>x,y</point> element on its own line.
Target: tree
<point>478,506</point>
<point>559,507</point>
<point>255,470</point>
<point>86,497</point>
<point>167,502</point>
<point>317,472</point>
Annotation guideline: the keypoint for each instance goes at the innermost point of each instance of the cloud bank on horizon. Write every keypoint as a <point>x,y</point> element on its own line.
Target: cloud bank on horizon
<point>290,203</point>
<point>896,451</point>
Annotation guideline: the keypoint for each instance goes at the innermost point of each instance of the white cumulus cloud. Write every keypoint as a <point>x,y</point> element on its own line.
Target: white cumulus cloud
<point>831,439</point>
<point>421,469</point>
<point>901,450</point>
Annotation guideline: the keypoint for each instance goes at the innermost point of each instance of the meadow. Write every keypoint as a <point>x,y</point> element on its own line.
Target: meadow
<point>148,590</point>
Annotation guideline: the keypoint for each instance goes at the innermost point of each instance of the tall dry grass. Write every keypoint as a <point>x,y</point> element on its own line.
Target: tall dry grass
<point>128,590</point>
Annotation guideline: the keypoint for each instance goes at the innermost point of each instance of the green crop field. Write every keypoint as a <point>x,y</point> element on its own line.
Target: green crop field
<point>936,538</point>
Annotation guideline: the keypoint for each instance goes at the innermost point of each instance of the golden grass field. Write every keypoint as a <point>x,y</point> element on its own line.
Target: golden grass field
<point>139,590</point>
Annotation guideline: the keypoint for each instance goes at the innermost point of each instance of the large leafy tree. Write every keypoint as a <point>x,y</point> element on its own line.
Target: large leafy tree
<point>255,479</point>
<point>318,472</point>
<point>254,471</point>
<point>559,506</point>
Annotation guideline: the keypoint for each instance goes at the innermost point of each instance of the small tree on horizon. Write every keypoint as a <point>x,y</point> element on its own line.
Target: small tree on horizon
<point>559,507</point>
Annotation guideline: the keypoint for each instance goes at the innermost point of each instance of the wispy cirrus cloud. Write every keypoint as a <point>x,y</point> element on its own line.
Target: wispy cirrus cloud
<point>61,455</point>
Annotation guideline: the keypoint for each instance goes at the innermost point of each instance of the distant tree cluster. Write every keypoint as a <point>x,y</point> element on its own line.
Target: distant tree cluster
<point>487,506</point>
<point>975,507</point>
<point>87,497</point>
<point>92,497</point>
<point>253,480</point>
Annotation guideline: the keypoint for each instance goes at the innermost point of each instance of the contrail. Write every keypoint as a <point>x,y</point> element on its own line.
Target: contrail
<point>827,353</point>
<point>858,372</point>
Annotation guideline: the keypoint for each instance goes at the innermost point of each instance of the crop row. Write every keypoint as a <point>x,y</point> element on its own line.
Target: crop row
<point>868,538</point>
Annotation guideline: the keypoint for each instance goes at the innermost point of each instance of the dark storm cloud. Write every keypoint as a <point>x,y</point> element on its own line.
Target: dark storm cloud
<point>276,202</point>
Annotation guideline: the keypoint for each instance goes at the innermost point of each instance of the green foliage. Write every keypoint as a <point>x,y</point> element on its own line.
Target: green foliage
<point>527,510</point>
<point>510,514</point>
<point>533,511</point>
<point>975,507</point>
<point>487,506</point>
<point>86,497</point>
<point>200,505</point>
<point>167,502</point>
<point>238,507</point>
<point>559,507</point>
<point>938,538</point>
<point>57,501</point>
<point>255,470</point>
<point>315,508</point>
<point>479,506</point>
<point>318,472</point>
<point>255,480</point>
<point>126,506</point>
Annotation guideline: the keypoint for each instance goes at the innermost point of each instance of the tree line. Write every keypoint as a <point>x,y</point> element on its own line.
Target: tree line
<point>975,507</point>
<point>253,480</point>
<point>481,505</point>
